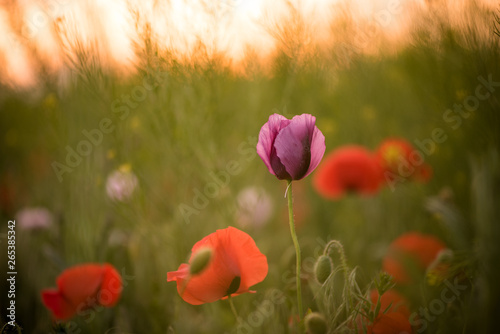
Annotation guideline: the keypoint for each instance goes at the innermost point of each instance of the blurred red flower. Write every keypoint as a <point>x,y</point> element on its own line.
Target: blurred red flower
<point>392,318</point>
<point>83,287</point>
<point>398,158</point>
<point>395,320</point>
<point>410,255</point>
<point>235,266</point>
<point>349,168</point>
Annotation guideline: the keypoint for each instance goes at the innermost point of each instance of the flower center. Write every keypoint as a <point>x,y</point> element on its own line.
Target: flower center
<point>234,286</point>
<point>391,155</point>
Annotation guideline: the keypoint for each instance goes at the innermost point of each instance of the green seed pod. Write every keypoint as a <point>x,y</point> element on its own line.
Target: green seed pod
<point>200,260</point>
<point>323,268</point>
<point>315,323</point>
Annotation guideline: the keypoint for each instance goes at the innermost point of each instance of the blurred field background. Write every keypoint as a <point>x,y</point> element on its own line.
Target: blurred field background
<point>210,95</point>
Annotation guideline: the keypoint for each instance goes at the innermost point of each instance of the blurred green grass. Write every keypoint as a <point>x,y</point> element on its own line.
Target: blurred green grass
<point>198,119</point>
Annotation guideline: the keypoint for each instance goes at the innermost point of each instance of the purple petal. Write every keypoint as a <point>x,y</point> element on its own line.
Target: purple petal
<point>267,136</point>
<point>318,148</point>
<point>294,146</point>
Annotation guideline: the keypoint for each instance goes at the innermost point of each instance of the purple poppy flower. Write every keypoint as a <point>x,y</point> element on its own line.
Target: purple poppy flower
<point>291,149</point>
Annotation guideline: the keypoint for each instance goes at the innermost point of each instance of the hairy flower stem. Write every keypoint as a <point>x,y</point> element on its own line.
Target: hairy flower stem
<point>297,247</point>
<point>343,263</point>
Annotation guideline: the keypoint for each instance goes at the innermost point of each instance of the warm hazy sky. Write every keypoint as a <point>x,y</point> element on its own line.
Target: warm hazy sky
<point>229,25</point>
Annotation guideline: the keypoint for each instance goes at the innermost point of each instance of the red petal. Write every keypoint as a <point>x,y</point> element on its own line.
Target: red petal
<point>251,262</point>
<point>398,303</point>
<point>424,247</point>
<point>392,323</point>
<point>211,284</point>
<point>424,173</point>
<point>181,273</point>
<point>180,276</point>
<point>79,285</point>
<point>55,302</point>
<point>391,151</point>
<point>397,270</point>
<point>347,168</point>
<point>325,182</point>
<point>411,248</point>
<point>235,254</point>
<point>111,286</point>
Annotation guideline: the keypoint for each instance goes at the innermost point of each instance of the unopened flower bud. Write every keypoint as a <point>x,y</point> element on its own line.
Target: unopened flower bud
<point>323,268</point>
<point>200,260</point>
<point>315,323</point>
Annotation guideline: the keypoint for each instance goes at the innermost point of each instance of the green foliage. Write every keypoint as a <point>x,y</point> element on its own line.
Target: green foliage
<point>190,120</point>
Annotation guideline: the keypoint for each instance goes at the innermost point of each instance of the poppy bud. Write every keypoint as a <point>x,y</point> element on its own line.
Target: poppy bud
<point>200,260</point>
<point>323,268</point>
<point>315,323</point>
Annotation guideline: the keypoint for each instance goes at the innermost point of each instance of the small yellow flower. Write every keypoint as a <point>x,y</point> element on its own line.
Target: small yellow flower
<point>125,168</point>
<point>392,154</point>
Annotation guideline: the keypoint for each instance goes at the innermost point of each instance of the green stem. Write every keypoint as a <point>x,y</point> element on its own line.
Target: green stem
<point>233,309</point>
<point>297,247</point>
<point>343,263</point>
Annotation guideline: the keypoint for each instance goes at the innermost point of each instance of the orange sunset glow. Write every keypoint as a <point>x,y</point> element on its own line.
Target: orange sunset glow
<point>35,31</point>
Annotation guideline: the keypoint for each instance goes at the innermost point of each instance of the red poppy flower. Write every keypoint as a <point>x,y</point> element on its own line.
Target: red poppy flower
<point>392,323</point>
<point>395,320</point>
<point>235,266</point>
<point>349,168</point>
<point>393,315</point>
<point>393,299</point>
<point>82,287</point>
<point>410,255</point>
<point>398,158</point>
